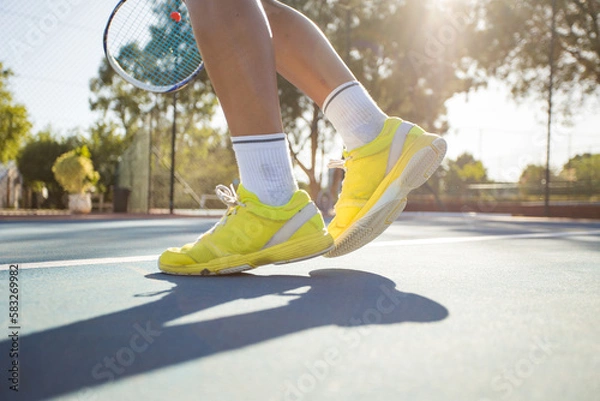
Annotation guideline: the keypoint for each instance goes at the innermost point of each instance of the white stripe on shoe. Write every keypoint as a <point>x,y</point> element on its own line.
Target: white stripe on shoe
<point>398,144</point>
<point>293,225</point>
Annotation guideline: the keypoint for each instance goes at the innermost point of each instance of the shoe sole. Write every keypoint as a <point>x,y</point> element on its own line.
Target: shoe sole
<point>279,254</point>
<point>393,200</point>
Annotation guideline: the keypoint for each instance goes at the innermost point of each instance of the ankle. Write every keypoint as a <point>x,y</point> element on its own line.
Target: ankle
<point>265,167</point>
<point>354,114</point>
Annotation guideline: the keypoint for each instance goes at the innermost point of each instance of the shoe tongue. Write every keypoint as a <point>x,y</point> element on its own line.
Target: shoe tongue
<point>254,205</point>
<point>244,195</point>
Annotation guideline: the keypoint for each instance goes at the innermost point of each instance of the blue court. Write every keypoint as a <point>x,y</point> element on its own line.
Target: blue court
<point>440,307</point>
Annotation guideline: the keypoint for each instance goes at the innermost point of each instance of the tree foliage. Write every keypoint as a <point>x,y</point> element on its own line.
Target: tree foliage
<point>106,146</point>
<point>37,157</point>
<point>585,167</point>
<point>118,102</point>
<point>534,175</point>
<point>411,56</point>
<point>14,122</point>
<point>463,171</point>
<point>583,172</point>
<point>533,179</point>
<point>35,163</point>
<point>513,43</point>
<point>126,111</point>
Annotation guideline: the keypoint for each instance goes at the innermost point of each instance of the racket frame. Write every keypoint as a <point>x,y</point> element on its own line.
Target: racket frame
<point>137,83</point>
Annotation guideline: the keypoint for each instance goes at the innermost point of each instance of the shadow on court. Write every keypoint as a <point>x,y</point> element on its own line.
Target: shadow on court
<point>79,356</point>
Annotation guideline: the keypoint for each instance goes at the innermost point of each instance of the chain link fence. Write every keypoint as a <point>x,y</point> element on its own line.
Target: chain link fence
<point>144,174</point>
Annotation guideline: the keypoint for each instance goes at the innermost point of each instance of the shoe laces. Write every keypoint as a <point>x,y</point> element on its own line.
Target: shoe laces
<point>336,163</point>
<point>229,197</point>
<point>343,164</point>
<point>340,163</point>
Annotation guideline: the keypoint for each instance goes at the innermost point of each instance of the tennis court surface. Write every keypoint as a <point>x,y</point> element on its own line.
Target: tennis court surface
<point>440,307</point>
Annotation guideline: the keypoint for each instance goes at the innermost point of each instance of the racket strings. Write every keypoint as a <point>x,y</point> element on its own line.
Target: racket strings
<point>150,46</point>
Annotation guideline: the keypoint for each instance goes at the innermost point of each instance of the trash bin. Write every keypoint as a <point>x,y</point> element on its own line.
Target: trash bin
<point>120,200</point>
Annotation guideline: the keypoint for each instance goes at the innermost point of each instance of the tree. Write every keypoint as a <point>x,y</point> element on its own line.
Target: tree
<point>105,146</point>
<point>126,111</point>
<point>462,172</point>
<point>533,179</point>
<point>409,55</point>
<point>584,172</point>
<point>35,163</point>
<point>118,102</point>
<point>513,43</point>
<point>534,175</point>
<point>14,122</point>
<point>128,106</point>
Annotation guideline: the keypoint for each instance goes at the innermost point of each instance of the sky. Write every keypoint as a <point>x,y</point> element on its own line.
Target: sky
<point>54,47</point>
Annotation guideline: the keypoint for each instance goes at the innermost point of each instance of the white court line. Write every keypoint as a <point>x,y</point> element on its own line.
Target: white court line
<point>376,244</point>
<point>83,262</point>
<point>456,240</point>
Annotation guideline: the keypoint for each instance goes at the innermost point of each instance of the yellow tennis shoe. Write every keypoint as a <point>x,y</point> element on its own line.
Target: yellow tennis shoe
<point>379,176</point>
<point>252,234</point>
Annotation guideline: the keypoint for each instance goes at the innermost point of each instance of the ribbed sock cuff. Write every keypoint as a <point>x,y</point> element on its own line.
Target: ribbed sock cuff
<point>265,167</point>
<point>354,114</point>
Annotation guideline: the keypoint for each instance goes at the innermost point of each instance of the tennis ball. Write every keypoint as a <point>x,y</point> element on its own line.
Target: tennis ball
<point>175,16</point>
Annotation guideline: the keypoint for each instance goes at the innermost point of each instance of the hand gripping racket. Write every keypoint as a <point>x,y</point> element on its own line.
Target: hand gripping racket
<point>150,43</point>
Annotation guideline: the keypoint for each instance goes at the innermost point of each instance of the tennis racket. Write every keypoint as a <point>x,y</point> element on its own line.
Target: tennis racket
<point>150,43</point>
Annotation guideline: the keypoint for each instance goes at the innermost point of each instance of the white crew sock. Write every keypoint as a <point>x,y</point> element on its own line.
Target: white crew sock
<point>354,114</point>
<point>265,167</point>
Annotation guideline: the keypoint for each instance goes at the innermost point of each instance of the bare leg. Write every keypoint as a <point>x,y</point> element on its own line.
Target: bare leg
<point>304,55</point>
<point>235,41</point>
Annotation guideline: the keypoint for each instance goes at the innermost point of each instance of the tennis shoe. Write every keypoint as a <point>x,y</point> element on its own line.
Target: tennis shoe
<point>379,176</point>
<point>251,234</point>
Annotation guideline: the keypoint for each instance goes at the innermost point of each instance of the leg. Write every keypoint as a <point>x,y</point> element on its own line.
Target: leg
<point>235,41</point>
<point>386,157</point>
<point>268,220</point>
<point>306,59</point>
<point>304,55</point>
<point>234,38</point>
